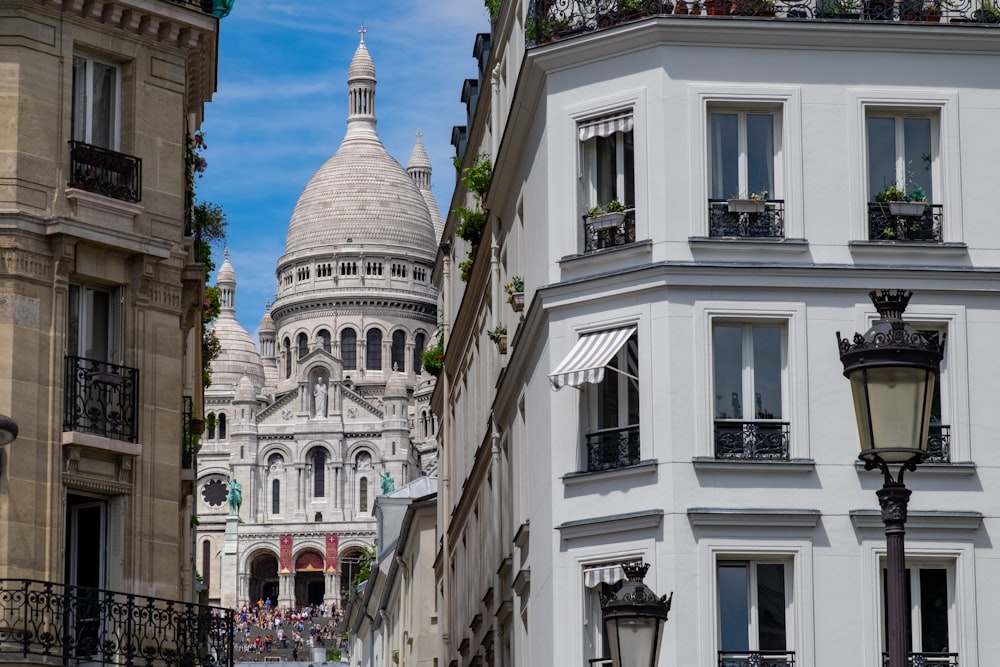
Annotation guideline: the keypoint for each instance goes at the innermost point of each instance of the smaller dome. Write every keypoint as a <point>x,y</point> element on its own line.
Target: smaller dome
<point>362,66</point>
<point>266,322</point>
<point>245,390</point>
<point>395,387</point>
<point>418,158</point>
<point>226,272</point>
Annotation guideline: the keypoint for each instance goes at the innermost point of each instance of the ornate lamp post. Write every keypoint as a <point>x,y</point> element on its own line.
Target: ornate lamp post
<point>8,430</point>
<point>633,620</point>
<point>892,369</point>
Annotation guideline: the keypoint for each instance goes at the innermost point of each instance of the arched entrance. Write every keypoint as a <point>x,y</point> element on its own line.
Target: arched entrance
<point>309,585</point>
<point>263,578</point>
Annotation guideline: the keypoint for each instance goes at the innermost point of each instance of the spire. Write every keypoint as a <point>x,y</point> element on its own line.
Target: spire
<point>419,166</point>
<point>226,282</point>
<point>361,91</point>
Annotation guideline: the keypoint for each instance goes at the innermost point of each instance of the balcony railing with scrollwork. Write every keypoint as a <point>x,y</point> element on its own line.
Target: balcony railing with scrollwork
<point>926,659</point>
<point>555,20</point>
<point>612,448</point>
<point>105,172</point>
<point>756,658</point>
<point>753,219</point>
<point>886,222</point>
<point>608,231</point>
<point>938,444</point>
<point>751,440</point>
<point>70,625</point>
<point>102,399</point>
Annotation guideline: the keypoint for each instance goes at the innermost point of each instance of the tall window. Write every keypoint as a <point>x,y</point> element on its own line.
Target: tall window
<point>211,426</point>
<point>399,350</point>
<point>419,342</point>
<point>753,610</point>
<point>288,357</point>
<point>349,349</point>
<point>324,339</point>
<point>303,345</point>
<point>276,496</point>
<point>373,350</point>
<point>91,329</point>
<point>96,96</point>
<point>363,495</point>
<point>599,581</point>
<point>931,621</point>
<point>609,160</point>
<point>902,153</point>
<point>319,473</point>
<point>613,408</point>
<point>749,363</point>
<point>742,153</point>
<point>222,426</point>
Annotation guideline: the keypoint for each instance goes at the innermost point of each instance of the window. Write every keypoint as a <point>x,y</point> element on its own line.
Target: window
<point>608,175</point>
<point>930,626</point>
<point>598,580</point>
<point>276,496</point>
<point>753,613</point>
<point>902,175</point>
<point>748,369</point>
<point>92,330</point>
<point>399,350</point>
<point>222,426</point>
<point>319,473</point>
<point>363,495</point>
<point>939,433</point>
<point>613,406</point>
<point>303,345</point>
<point>211,426</point>
<point>744,147</point>
<point>324,339</point>
<point>349,349</point>
<point>419,342</point>
<point>288,357</point>
<point>373,350</point>
<point>96,100</point>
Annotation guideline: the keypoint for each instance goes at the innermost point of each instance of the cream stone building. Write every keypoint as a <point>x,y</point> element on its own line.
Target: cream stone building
<point>332,409</point>
<point>100,323</point>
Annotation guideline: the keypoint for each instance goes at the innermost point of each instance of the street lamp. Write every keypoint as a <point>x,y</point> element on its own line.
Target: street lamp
<point>633,620</point>
<point>8,430</point>
<point>892,369</point>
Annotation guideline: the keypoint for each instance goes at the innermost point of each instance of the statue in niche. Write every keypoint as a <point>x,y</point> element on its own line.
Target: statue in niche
<point>235,496</point>
<point>320,397</point>
<point>388,485</point>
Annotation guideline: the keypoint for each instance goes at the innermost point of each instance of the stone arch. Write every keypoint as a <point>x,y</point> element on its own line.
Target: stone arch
<point>398,340</point>
<point>309,566</point>
<point>261,564</point>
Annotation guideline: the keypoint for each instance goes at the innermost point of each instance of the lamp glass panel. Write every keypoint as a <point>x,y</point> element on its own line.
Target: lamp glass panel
<point>897,407</point>
<point>634,640</point>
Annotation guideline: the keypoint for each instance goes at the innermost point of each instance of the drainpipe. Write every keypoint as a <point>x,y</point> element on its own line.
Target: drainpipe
<point>497,518</point>
<point>444,443</point>
<point>495,111</point>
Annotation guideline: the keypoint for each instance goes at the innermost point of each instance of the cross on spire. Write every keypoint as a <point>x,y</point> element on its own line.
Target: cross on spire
<point>362,31</point>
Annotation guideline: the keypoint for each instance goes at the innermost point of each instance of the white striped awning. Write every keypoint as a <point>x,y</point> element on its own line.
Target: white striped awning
<point>605,574</point>
<point>606,126</point>
<point>586,361</point>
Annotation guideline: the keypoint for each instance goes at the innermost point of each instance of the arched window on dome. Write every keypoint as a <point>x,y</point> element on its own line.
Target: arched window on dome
<point>319,473</point>
<point>211,426</point>
<point>363,495</point>
<point>303,345</point>
<point>373,351</point>
<point>287,344</point>
<point>324,339</point>
<point>222,426</point>
<point>423,423</point>
<point>419,342</point>
<point>349,349</point>
<point>276,497</point>
<point>399,350</point>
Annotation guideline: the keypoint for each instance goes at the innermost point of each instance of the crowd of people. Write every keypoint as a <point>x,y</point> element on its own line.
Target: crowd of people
<point>263,628</point>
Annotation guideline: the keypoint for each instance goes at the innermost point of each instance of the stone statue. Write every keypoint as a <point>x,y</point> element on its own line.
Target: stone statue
<point>235,496</point>
<point>388,486</point>
<point>319,397</point>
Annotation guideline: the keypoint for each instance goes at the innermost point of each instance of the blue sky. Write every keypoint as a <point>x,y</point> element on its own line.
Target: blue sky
<point>281,107</point>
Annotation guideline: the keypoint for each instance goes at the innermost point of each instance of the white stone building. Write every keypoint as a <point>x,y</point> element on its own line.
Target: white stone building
<point>711,433</point>
<point>333,408</point>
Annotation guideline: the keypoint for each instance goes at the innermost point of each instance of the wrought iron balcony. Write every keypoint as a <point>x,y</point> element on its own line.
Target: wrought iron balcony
<point>608,231</point>
<point>555,20</point>
<point>612,448</point>
<point>105,172</point>
<point>67,624</point>
<point>756,658</point>
<point>746,218</point>
<point>888,222</point>
<point>939,444</point>
<point>193,428</point>
<point>102,399</point>
<point>927,659</point>
<point>751,440</point>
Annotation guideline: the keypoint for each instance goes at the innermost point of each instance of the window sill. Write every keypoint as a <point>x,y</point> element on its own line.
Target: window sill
<point>743,243</point>
<point>956,469</point>
<point>728,465</point>
<point>606,260</point>
<point>647,467</point>
<point>917,248</point>
<point>101,443</point>
<point>755,517</point>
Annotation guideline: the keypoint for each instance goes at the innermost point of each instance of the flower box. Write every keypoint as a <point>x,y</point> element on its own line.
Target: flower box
<point>607,220</point>
<point>517,301</point>
<point>907,208</point>
<point>501,342</point>
<point>747,205</point>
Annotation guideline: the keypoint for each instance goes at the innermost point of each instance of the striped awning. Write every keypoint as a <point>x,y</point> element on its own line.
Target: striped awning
<point>606,126</point>
<point>605,574</point>
<point>586,361</point>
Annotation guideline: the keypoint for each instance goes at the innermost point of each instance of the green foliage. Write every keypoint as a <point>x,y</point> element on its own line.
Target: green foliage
<point>364,571</point>
<point>613,206</point>
<point>515,285</point>
<point>333,655</point>
<point>465,266</point>
<point>493,7</point>
<point>212,304</point>
<point>496,332</point>
<point>472,225</point>
<point>477,177</point>
<point>433,359</point>
<point>210,350</point>
<point>891,193</point>
<point>209,224</point>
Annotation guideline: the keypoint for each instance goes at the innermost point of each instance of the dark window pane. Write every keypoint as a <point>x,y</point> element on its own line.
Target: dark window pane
<point>607,169</point>
<point>628,197</point>
<point>760,154</point>
<point>771,606</point>
<point>734,611</point>
<point>767,372</point>
<point>398,351</point>
<point>725,155</point>
<point>349,349</point>
<point>373,350</point>
<point>934,610</point>
<point>727,354</point>
<point>918,155</point>
<point>881,154</point>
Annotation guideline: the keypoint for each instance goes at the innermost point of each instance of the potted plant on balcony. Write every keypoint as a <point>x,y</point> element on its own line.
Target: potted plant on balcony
<point>607,216</point>
<point>498,335</point>
<point>763,8</point>
<point>988,13</point>
<point>515,293</point>
<point>901,203</point>
<point>755,203</point>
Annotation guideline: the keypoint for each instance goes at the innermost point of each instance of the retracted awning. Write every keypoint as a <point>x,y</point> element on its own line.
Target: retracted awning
<point>606,574</point>
<point>586,361</point>
<point>606,126</point>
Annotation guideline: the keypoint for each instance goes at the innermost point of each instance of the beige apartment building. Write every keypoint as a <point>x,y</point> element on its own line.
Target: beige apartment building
<point>100,327</point>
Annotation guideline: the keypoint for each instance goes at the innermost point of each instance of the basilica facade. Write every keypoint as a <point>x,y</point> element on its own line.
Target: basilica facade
<point>330,407</point>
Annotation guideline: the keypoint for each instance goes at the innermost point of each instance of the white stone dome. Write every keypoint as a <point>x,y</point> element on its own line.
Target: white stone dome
<point>238,356</point>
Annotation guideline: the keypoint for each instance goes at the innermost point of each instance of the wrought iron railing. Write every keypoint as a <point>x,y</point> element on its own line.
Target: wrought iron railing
<point>939,444</point>
<point>554,20</point>
<point>746,218</point>
<point>69,623</point>
<point>756,658</point>
<point>192,432</point>
<point>752,440</point>
<point>927,659</point>
<point>888,222</point>
<point>105,172</point>
<point>608,232</point>
<point>102,399</point>
<point>612,448</point>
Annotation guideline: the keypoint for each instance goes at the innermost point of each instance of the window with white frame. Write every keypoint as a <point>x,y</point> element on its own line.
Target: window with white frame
<point>599,580</point>
<point>939,433</point>
<point>608,146</point>
<point>612,406</point>
<point>96,101</point>
<point>749,369</point>
<point>92,327</point>
<point>754,612</point>
<point>930,598</point>
<point>902,152</point>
